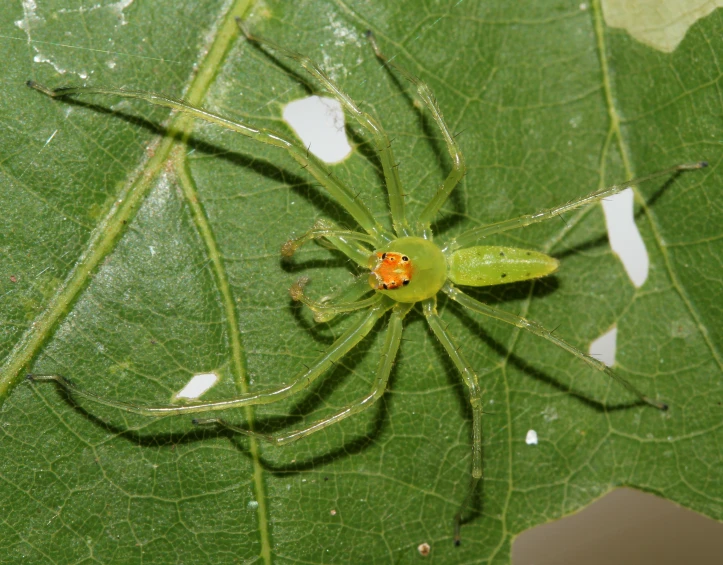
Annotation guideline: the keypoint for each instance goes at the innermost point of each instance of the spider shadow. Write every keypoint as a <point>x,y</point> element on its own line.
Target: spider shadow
<point>134,436</point>
<point>313,399</point>
<point>472,507</point>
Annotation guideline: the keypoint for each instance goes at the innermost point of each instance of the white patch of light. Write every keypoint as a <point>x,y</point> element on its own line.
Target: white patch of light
<point>319,122</point>
<point>531,437</point>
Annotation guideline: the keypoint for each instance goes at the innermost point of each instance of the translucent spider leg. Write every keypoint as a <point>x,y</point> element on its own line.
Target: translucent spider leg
<point>380,137</point>
<point>537,329</point>
<point>472,236</point>
<point>468,375</point>
<point>458,166</point>
<point>348,340</point>
<point>341,193</point>
<point>392,341</point>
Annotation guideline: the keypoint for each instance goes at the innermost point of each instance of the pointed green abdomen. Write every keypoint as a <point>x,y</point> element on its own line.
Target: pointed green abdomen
<point>485,265</point>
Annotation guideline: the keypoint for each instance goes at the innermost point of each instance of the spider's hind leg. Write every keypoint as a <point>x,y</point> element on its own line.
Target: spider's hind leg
<point>538,330</point>
<point>475,398</point>
<point>468,375</point>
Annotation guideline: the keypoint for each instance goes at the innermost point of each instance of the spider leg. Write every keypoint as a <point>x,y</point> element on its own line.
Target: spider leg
<point>534,327</point>
<point>379,136</point>
<point>458,166</point>
<point>326,308</point>
<point>468,376</point>
<point>472,236</point>
<point>348,340</point>
<point>386,362</point>
<point>341,193</point>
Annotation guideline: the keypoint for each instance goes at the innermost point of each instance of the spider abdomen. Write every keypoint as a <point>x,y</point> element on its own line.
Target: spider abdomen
<point>485,265</point>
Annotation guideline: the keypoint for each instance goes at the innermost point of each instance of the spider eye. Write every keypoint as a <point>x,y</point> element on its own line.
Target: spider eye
<point>384,286</point>
<point>384,255</point>
<point>405,282</point>
<point>405,258</point>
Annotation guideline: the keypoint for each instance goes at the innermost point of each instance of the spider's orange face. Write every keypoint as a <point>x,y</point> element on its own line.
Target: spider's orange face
<point>391,270</point>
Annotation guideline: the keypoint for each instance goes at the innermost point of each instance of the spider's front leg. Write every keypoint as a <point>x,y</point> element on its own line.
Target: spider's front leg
<point>379,136</point>
<point>458,166</point>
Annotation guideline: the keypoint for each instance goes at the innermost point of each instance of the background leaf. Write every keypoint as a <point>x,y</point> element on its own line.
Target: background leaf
<point>122,248</point>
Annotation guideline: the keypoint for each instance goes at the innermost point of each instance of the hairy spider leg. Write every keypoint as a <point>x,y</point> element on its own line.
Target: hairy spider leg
<point>380,137</point>
<point>345,343</point>
<point>469,237</point>
<point>458,166</point>
<point>537,329</point>
<point>342,194</point>
<point>469,377</point>
<point>390,348</point>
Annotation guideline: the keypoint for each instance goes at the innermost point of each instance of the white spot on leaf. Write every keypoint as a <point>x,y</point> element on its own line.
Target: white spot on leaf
<point>198,384</point>
<point>660,24</point>
<point>625,239</point>
<point>603,348</point>
<point>319,122</point>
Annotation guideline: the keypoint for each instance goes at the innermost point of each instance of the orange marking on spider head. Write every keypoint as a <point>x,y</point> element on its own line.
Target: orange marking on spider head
<point>390,270</point>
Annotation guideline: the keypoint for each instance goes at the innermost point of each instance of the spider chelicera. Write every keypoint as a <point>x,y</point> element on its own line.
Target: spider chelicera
<point>406,266</point>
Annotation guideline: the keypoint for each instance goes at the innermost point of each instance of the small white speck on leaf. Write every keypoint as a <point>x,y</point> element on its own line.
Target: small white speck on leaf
<point>531,438</point>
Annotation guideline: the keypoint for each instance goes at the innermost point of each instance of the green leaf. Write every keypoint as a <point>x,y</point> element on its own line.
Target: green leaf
<point>132,260</point>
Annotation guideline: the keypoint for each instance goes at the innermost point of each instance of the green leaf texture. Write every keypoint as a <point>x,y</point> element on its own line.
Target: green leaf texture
<point>132,260</point>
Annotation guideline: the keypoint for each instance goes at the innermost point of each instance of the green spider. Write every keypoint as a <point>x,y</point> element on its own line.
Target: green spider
<point>406,267</point>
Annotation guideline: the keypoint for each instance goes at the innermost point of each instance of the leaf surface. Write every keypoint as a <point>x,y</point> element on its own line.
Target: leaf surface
<point>132,260</point>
